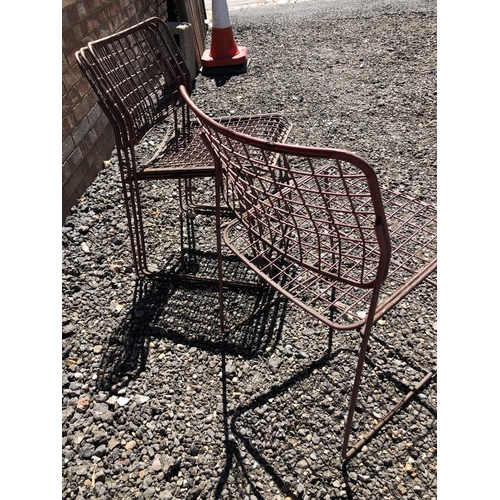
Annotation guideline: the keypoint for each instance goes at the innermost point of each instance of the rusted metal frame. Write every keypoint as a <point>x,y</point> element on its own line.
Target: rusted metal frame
<point>271,281</point>
<point>410,254</point>
<point>378,311</point>
<point>405,255</point>
<point>145,80</point>
<point>385,255</point>
<point>349,299</point>
<point>286,192</point>
<point>251,190</point>
<point>165,33</point>
<point>367,436</point>
<point>331,225</point>
<point>119,129</point>
<point>366,331</point>
<point>282,182</point>
<point>143,105</point>
<point>218,193</point>
<point>139,250</point>
<point>339,237</point>
<point>409,285</point>
<point>279,201</point>
<point>133,184</point>
<point>158,29</point>
<point>263,188</point>
<point>385,305</point>
<point>120,105</point>
<point>407,225</point>
<point>129,179</point>
<point>299,286</point>
<point>183,137</point>
<point>239,119</point>
<point>400,265</point>
<point>307,282</point>
<point>360,228</point>
<point>383,269</point>
<point>302,263</point>
<point>188,198</point>
<point>298,229</point>
<point>121,54</point>
<point>295,288</point>
<point>269,202</point>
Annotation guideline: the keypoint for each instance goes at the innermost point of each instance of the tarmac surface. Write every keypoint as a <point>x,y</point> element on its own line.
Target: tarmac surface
<point>245,4</point>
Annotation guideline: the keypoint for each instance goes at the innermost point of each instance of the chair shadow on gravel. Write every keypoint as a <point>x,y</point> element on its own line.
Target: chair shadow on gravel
<point>233,434</point>
<point>188,314</point>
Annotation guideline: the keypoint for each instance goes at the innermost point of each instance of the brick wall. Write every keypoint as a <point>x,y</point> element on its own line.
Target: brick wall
<point>87,136</point>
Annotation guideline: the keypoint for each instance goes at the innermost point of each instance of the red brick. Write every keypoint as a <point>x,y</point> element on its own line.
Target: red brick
<point>71,165</point>
<point>68,123</point>
<point>102,15</point>
<point>65,63</point>
<point>81,130</point>
<point>92,23</point>
<point>82,10</point>
<point>82,108</point>
<point>69,100</point>
<point>65,22</point>
<point>90,38</point>
<point>72,76</point>
<point>131,12</point>
<point>102,124</point>
<point>68,147</point>
<point>89,6</point>
<point>71,56</point>
<point>83,87</point>
<point>72,14</point>
<point>116,23</point>
<point>112,9</point>
<point>69,40</point>
<point>72,38</point>
<point>92,137</point>
<point>95,113</point>
<point>98,4</point>
<point>67,3</point>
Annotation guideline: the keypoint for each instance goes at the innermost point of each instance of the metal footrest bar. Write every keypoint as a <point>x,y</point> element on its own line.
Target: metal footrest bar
<point>368,436</point>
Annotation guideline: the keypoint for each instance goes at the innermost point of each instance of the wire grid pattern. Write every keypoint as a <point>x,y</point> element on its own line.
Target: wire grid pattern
<point>317,226</point>
<point>141,69</point>
<point>182,148</point>
<point>136,74</point>
<point>344,306</point>
<point>315,212</point>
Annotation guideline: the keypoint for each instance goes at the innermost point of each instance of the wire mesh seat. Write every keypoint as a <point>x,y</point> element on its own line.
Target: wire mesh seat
<point>136,75</point>
<point>317,227</point>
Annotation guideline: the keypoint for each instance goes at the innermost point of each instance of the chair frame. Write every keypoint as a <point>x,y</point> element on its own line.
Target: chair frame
<point>136,74</point>
<point>321,227</point>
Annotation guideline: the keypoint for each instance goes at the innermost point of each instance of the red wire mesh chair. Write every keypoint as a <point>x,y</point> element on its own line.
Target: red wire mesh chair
<point>136,75</point>
<point>317,227</point>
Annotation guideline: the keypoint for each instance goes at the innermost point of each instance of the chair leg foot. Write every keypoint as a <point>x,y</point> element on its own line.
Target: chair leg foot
<point>354,450</point>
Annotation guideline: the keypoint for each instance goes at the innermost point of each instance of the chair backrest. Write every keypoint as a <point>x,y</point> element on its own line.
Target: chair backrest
<point>136,75</point>
<point>320,208</point>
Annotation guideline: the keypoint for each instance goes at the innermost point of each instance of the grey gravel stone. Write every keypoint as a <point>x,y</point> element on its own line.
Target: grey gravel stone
<point>359,76</point>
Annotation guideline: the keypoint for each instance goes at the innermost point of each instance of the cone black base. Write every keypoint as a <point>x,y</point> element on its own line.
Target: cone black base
<point>236,69</point>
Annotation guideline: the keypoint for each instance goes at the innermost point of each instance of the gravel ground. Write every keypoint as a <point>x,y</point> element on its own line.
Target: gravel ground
<point>150,389</point>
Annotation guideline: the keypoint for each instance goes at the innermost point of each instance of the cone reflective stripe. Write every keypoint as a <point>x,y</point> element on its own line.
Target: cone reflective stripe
<point>223,48</point>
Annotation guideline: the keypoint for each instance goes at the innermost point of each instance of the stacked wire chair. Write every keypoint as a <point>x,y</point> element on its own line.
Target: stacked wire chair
<point>318,228</point>
<point>136,74</point>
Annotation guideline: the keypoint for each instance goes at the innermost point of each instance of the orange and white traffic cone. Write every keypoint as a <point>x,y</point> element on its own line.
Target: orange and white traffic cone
<point>224,56</point>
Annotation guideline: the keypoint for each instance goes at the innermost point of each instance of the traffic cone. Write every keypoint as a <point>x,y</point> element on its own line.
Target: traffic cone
<point>224,56</point>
